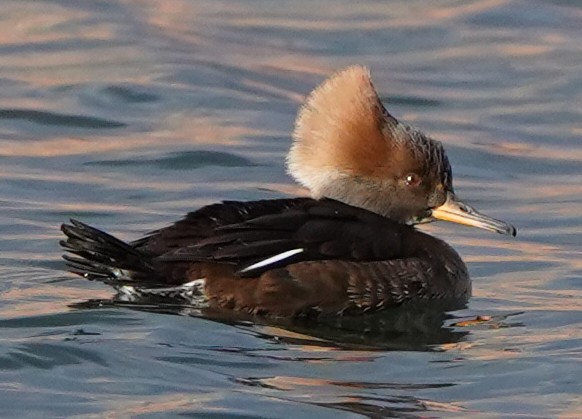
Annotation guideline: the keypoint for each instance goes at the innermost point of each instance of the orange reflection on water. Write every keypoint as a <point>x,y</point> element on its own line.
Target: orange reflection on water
<point>440,11</point>
<point>122,406</point>
<point>28,302</point>
<point>176,130</point>
<point>35,27</point>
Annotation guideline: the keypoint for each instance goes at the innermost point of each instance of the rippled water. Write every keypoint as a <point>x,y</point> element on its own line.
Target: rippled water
<point>127,114</point>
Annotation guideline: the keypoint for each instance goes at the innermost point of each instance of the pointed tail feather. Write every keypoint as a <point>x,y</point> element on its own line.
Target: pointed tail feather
<point>96,255</point>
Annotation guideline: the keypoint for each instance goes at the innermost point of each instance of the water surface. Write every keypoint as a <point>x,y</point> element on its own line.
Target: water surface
<point>127,114</point>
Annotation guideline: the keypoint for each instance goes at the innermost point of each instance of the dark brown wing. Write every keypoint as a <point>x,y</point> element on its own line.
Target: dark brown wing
<point>97,255</point>
<point>203,223</point>
<point>307,231</point>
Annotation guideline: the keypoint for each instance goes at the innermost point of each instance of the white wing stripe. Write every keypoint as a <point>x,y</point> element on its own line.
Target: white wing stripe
<point>272,260</point>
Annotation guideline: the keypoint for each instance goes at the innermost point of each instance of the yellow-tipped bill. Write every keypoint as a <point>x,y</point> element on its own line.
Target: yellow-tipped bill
<point>458,212</point>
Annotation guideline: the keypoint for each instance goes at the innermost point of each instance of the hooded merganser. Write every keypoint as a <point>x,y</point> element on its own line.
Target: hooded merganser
<point>351,247</point>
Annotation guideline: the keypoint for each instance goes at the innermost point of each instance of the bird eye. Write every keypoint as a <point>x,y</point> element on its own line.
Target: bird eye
<point>412,179</point>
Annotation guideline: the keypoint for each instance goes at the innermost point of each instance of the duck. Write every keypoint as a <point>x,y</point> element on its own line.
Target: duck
<point>351,247</point>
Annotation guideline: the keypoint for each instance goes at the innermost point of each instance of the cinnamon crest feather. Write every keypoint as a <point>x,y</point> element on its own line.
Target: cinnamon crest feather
<point>348,147</point>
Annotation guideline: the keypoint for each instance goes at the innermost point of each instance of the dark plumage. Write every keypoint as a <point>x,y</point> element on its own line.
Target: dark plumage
<point>352,260</point>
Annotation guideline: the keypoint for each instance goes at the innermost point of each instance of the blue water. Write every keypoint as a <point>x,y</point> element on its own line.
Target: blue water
<point>127,114</point>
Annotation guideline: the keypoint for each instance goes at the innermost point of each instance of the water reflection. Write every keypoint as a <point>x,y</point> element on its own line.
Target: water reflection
<point>425,327</point>
<point>325,341</point>
<point>376,404</point>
